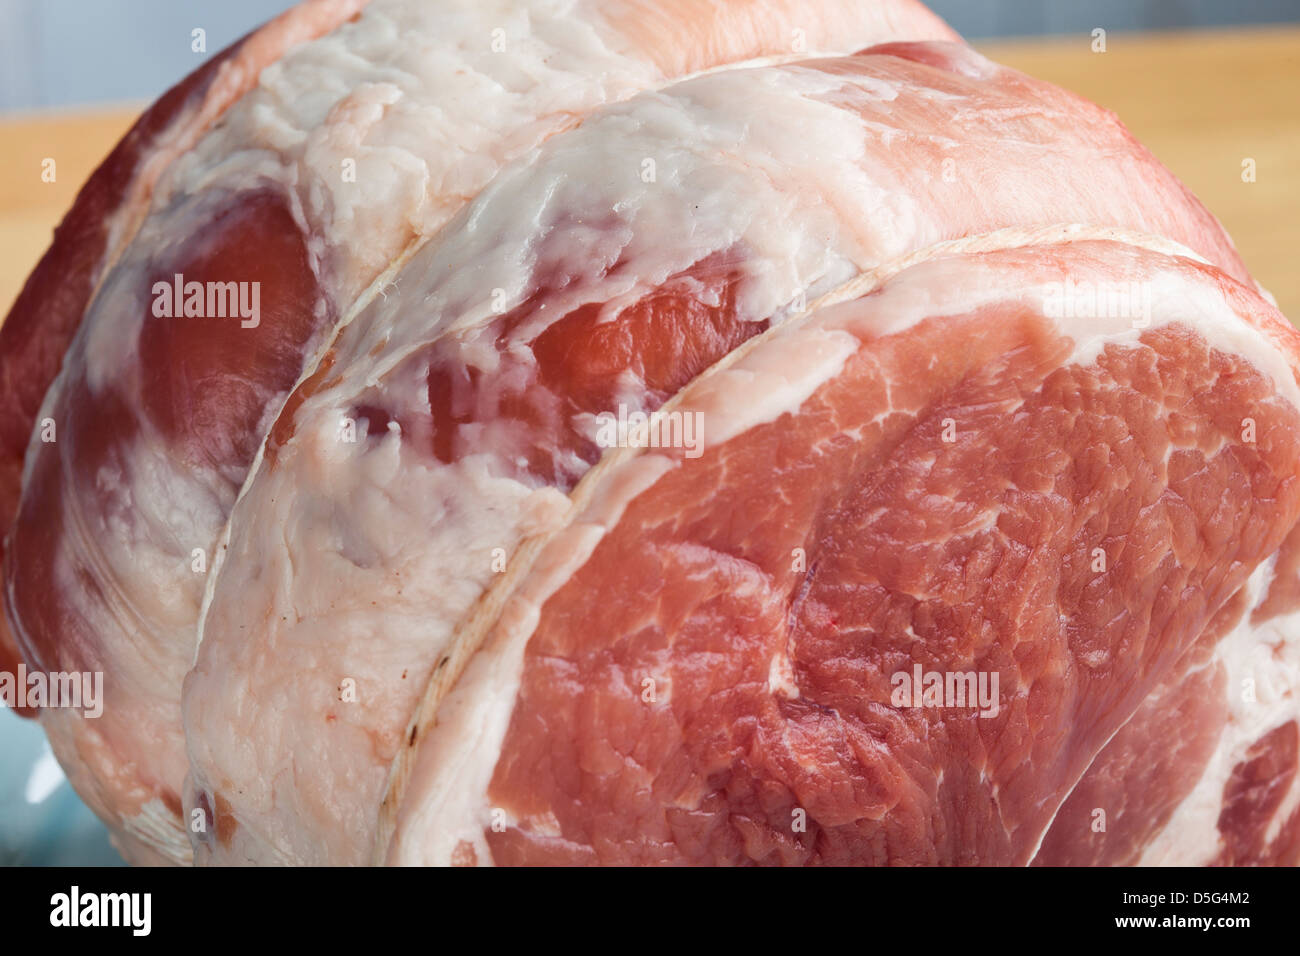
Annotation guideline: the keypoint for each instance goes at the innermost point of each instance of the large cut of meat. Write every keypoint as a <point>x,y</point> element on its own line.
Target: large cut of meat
<point>648,405</point>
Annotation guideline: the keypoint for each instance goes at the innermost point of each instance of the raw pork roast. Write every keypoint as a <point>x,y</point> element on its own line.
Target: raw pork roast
<point>654,431</point>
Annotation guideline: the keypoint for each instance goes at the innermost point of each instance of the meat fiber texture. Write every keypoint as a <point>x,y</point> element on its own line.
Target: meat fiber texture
<point>651,431</point>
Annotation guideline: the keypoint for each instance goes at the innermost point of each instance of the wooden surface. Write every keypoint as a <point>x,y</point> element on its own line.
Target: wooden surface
<point>1202,102</point>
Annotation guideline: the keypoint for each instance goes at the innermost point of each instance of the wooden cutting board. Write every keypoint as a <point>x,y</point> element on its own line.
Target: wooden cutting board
<point>1204,102</point>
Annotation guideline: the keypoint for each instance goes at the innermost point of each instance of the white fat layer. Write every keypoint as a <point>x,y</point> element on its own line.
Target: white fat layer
<point>726,178</point>
<point>1262,662</point>
<point>310,91</point>
<point>1202,309</point>
<point>234,77</point>
<point>1177,296</point>
<point>381,130</point>
<point>384,128</point>
<point>421,121</point>
<point>445,801</point>
<point>426,549</point>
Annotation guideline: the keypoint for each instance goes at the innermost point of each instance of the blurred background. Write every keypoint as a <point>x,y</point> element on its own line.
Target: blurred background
<point>67,52</point>
<point>1207,85</point>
